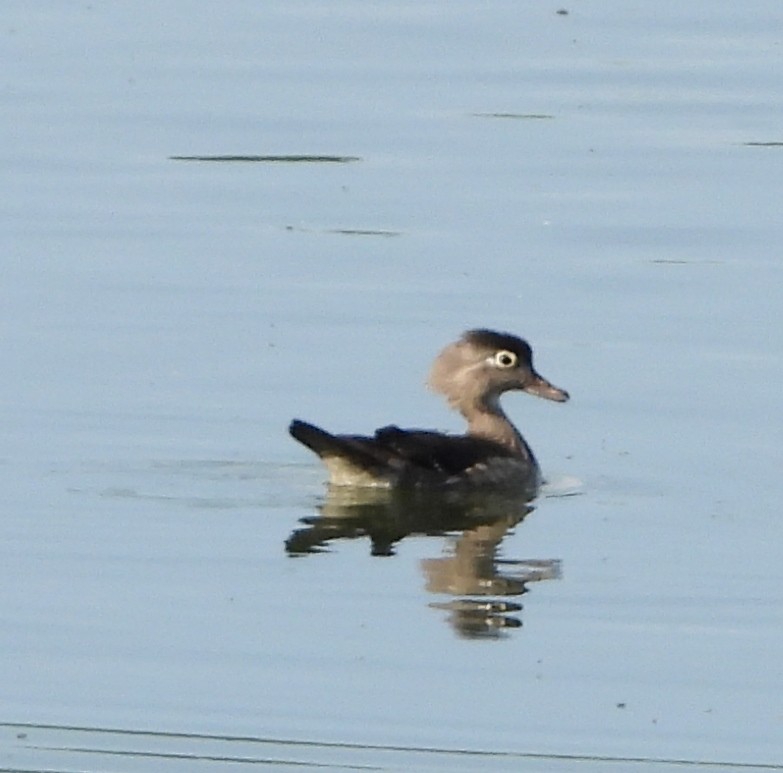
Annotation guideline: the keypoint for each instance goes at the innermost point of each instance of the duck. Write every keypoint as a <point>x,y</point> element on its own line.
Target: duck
<point>472,374</point>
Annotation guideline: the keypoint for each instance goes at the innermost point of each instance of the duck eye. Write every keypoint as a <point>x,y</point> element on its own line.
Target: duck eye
<point>505,359</point>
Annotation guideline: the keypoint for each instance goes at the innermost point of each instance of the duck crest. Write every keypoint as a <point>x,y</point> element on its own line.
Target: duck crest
<point>489,339</point>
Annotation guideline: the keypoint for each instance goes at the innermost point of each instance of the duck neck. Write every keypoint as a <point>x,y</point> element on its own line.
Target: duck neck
<point>486,419</point>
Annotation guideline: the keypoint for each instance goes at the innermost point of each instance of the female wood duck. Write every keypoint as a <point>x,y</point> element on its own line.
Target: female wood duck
<point>472,374</point>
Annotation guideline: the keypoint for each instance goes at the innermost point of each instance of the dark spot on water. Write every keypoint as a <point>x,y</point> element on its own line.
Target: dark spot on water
<point>515,116</point>
<point>289,159</point>
<point>346,231</point>
<point>361,232</point>
<point>679,261</point>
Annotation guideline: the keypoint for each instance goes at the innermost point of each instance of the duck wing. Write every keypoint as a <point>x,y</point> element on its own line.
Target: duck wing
<point>393,454</point>
<point>437,451</point>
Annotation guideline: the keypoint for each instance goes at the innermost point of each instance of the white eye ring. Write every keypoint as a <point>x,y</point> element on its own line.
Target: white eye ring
<point>505,359</point>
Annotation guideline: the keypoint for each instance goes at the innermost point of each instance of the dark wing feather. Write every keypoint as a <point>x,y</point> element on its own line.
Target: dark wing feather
<point>436,451</point>
<point>400,451</point>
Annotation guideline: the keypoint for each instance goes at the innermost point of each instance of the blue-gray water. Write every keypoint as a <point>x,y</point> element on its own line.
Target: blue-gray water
<point>604,182</point>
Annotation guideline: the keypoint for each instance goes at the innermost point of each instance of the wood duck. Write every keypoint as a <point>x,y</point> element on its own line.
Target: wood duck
<point>472,374</point>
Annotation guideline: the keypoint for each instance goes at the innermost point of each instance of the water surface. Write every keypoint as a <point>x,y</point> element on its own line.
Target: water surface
<point>604,182</point>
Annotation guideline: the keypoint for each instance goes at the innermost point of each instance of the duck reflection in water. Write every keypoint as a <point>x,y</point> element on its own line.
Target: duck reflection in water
<point>470,570</point>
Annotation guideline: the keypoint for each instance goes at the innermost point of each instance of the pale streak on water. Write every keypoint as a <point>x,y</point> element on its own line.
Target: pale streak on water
<point>176,590</point>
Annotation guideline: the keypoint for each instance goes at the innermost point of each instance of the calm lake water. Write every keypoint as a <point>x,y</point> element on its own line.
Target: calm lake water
<point>217,217</point>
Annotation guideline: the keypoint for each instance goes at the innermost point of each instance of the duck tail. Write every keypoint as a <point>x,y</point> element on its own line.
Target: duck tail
<point>354,451</point>
<point>316,439</point>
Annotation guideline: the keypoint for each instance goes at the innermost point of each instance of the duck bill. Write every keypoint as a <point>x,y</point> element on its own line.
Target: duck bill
<point>540,387</point>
